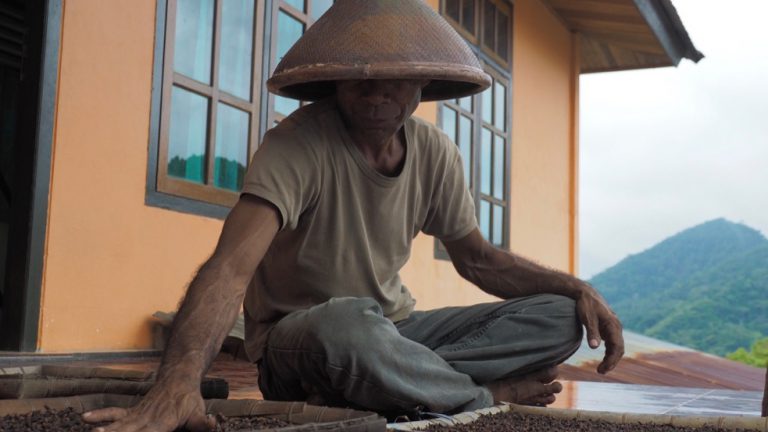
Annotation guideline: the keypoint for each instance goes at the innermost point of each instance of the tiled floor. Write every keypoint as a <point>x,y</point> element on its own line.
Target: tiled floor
<point>242,376</point>
<point>583,395</point>
<point>643,399</point>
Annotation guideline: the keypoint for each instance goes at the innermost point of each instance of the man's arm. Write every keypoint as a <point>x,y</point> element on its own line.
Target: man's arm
<point>506,275</point>
<point>204,319</point>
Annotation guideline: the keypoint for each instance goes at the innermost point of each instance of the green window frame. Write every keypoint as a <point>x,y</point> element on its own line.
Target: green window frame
<point>480,125</point>
<point>485,24</point>
<point>291,18</point>
<point>212,106</point>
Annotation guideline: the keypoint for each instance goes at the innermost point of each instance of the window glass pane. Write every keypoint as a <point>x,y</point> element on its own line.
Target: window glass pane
<point>449,123</point>
<point>500,106</point>
<point>286,106</point>
<point>468,15</point>
<point>465,103</point>
<point>298,4</point>
<point>236,47</point>
<point>485,162</point>
<point>231,147</point>
<point>489,23</point>
<point>289,30</point>
<point>319,7</point>
<point>499,162</point>
<point>487,101</point>
<point>502,30</point>
<point>193,42</point>
<point>465,145</point>
<point>186,141</point>
<point>452,8</point>
<point>485,219</point>
<point>498,225</point>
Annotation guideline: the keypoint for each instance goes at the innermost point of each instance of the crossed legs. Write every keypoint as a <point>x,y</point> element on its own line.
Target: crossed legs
<point>346,352</point>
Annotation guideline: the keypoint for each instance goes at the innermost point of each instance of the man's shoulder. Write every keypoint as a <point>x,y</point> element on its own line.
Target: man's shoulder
<point>307,129</point>
<point>421,127</point>
<point>310,119</point>
<point>429,138</point>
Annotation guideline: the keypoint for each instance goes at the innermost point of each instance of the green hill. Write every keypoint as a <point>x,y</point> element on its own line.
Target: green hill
<point>705,287</point>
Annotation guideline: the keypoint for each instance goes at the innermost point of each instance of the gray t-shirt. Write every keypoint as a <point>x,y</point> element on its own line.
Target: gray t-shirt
<point>346,229</point>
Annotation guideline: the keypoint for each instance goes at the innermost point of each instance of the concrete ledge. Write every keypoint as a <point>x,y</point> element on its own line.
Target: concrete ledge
<point>724,422</point>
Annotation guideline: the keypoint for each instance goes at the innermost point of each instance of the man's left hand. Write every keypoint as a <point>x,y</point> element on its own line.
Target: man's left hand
<point>601,323</point>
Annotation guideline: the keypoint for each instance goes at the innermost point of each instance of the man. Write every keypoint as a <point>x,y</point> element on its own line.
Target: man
<point>331,203</point>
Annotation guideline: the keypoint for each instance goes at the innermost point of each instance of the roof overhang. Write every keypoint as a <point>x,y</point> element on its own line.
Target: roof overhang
<point>626,34</point>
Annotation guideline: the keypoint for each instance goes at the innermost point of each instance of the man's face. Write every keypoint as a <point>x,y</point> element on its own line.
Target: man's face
<point>378,104</point>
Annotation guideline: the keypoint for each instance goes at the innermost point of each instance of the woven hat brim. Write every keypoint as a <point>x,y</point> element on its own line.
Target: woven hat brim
<point>317,81</point>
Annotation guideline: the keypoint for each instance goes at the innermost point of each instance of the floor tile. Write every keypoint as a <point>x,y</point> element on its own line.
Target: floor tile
<point>644,399</point>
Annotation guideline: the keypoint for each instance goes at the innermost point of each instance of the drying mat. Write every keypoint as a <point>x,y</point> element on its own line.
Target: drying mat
<point>48,381</point>
<point>723,422</point>
<point>64,371</point>
<point>304,417</point>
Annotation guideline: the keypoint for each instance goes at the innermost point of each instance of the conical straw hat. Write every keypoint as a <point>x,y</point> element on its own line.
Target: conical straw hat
<point>379,39</point>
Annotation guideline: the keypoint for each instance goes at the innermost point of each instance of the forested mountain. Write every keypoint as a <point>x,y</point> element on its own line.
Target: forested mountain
<point>705,287</point>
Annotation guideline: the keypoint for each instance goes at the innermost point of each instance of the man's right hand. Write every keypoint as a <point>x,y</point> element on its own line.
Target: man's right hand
<point>165,408</point>
<point>208,311</point>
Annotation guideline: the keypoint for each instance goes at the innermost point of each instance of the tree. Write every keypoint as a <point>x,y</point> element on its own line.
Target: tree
<point>758,356</point>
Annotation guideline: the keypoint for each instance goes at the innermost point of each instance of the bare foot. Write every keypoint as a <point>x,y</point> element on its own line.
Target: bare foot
<point>536,388</point>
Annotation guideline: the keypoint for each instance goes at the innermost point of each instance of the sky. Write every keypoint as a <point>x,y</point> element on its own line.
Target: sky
<point>662,150</point>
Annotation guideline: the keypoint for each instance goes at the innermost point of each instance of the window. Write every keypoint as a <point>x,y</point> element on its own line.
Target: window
<point>210,111</point>
<point>485,24</point>
<point>462,13</point>
<point>480,124</point>
<point>291,20</point>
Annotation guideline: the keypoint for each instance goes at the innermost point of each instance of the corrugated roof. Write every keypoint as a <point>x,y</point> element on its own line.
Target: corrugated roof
<point>655,362</point>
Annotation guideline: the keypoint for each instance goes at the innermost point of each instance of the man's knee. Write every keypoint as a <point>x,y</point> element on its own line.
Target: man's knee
<point>563,310</point>
<point>558,318</point>
<point>551,304</point>
<point>342,321</point>
<point>566,322</point>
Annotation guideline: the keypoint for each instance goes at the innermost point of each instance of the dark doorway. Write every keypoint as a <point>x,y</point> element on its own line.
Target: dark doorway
<point>29,38</point>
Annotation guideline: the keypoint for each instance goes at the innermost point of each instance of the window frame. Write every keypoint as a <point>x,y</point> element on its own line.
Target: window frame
<point>475,38</point>
<point>177,194</point>
<point>194,191</point>
<point>507,8</point>
<point>471,37</point>
<point>500,71</point>
<point>272,116</point>
<point>506,181</point>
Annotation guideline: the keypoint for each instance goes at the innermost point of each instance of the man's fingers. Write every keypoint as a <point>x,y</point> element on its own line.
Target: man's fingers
<point>119,427</point>
<point>202,423</point>
<point>610,360</point>
<point>127,424</point>
<point>589,321</point>
<point>601,324</point>
<point>614,347</point>
<point>104,415</point>
<point>121,421</point>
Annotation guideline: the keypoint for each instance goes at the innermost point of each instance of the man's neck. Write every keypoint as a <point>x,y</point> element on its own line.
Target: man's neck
<point>384,150</point>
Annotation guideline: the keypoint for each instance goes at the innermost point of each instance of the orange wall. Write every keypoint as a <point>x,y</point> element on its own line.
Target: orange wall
<point>112,261</point>
<point>542,116</point>
<point>435,283</point>
<point>541,135</point>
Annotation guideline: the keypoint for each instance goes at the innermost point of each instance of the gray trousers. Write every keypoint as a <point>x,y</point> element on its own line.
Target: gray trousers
<point>346,352</point>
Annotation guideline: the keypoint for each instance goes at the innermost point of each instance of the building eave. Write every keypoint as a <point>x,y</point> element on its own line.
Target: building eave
<point>626,34</point>
<point>663,19</point>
